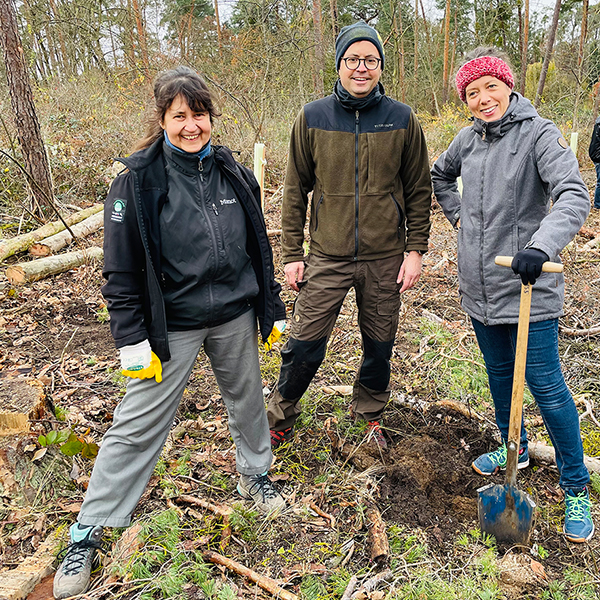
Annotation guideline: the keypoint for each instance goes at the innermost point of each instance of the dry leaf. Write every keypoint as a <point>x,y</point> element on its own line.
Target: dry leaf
<point>342,390</point>
<point>538,569</point>
<point>39,454</point>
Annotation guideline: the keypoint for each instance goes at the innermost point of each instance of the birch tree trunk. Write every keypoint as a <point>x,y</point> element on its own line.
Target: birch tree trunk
<point>524,47</point>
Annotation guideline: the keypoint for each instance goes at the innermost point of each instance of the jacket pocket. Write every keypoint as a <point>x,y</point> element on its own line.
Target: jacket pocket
<point>317,212</point>
<point>400,213</point>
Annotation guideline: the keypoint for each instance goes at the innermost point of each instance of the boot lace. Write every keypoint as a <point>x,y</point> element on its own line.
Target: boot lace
<point>498,457</point>
<point>76,554</point>
<point>578,507</point>
<point>263,485</point>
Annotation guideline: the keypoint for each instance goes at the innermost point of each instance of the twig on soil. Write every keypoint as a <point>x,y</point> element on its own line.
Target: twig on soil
<point>579,332</point>
<point>322,513</point>
<point>589,408</point>
<point>266,583</point>
<point>350,588</point>
<point>218,509</point>
<point>371,584</point>
<point>223,511</point>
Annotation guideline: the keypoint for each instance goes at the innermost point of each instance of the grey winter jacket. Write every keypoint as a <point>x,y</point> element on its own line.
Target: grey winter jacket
<point>521,189</point>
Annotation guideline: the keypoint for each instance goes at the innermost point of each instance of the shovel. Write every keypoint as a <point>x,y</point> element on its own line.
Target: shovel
<point>505,511</point>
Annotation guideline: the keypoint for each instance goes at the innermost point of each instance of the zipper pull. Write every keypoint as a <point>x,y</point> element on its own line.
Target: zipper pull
<point>215,209</point>
<point>357,114</point>
<point>484,132</point>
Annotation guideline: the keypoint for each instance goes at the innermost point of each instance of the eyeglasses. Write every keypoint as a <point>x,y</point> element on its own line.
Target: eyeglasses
<point>371,63</point>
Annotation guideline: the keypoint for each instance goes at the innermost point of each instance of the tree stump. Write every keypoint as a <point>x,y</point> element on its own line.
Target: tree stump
<point>20,401</point>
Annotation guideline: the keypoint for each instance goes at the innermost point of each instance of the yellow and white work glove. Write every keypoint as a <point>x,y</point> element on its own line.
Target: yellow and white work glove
<point>139,362</point>
<point>276,332</point>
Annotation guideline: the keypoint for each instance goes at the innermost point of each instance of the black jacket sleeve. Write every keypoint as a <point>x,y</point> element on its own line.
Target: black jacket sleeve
<point>594,150</point>
<point>124,262</point>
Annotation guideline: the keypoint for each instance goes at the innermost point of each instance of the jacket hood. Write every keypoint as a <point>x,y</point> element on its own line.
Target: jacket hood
<point>519,109</point>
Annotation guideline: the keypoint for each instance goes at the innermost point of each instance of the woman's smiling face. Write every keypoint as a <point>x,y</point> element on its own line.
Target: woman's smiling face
<point>488,98</point>
<point>186,129</point>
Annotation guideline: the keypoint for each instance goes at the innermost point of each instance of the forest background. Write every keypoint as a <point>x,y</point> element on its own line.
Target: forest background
<point>91,65</point>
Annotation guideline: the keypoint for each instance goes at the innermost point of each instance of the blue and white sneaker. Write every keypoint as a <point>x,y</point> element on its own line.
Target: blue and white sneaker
<point>578,526</point>
<point>492,462</point>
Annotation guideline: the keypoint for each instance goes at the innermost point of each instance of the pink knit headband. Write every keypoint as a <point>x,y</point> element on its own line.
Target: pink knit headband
<point>480,67</point>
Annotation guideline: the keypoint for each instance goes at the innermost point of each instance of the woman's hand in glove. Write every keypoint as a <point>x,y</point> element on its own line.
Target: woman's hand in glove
<point>139,362</point>
<point>528,264</point>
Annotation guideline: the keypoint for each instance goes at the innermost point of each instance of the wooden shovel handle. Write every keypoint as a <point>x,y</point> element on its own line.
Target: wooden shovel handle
<point>516,403</point>
<point>547,267</point>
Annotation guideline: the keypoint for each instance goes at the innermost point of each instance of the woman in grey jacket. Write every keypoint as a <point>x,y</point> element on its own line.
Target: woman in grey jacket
<point>522,196</point>
<point>188,266</point>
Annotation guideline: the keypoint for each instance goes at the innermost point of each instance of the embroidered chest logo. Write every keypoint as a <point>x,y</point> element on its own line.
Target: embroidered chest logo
<point>118,210</point>
<point>228,201</point>
<point>383,125</point>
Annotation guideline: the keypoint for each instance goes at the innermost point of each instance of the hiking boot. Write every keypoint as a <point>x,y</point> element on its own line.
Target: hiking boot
<point>578,526</point>
<point>260,489</point>
<point>73,575</point>
<point>492,462</point>
<point>280,437</point>
<point>375,435</point>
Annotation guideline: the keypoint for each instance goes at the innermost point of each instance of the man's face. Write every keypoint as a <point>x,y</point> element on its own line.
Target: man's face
<point>360,81</point>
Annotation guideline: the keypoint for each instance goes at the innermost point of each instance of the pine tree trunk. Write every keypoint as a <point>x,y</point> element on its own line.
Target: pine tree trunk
<point>446,53</point>
<point>27,124</point>
<point>548,54</point>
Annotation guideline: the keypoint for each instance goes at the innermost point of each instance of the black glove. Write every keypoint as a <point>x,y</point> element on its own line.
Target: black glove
<point>528,264</point>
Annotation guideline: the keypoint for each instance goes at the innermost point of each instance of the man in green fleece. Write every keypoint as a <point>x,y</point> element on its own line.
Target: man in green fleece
<point>363,157</point>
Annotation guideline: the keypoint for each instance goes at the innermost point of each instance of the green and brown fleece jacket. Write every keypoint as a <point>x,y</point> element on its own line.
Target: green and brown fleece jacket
<point>369,173</point>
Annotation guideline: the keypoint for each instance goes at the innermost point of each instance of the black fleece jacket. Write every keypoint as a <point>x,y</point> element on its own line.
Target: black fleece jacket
<point>132,248</point>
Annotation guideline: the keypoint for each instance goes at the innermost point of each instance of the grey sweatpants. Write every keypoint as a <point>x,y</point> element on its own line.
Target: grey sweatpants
<point>143,419</point>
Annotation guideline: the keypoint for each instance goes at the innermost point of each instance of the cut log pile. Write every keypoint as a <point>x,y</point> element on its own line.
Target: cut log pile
<point>47,241</point>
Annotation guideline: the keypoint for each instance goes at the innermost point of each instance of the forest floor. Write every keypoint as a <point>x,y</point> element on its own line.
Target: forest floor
<point>56,331</point>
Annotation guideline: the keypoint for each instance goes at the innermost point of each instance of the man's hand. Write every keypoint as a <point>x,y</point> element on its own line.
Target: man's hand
<point>294,272</point>
<point>410,271</point>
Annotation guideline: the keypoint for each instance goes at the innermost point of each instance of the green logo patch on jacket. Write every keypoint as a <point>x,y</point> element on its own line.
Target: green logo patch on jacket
<point>118,211</point>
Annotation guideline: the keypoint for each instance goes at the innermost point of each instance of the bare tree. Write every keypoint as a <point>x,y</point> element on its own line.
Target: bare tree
<point>524,46</point>
<point>27,124</point>
<point>582,39</point>
<point>547,54</point>
<point>446,52</point>
<point>319,60</point>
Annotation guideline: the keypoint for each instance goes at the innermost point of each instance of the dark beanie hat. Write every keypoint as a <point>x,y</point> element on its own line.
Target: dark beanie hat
<point>356,33</point>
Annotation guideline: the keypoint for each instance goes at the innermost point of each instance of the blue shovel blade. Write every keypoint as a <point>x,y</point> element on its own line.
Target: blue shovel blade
<point>506,513</point>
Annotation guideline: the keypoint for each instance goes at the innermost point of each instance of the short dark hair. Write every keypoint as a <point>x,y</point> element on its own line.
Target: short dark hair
<point>180,81</point>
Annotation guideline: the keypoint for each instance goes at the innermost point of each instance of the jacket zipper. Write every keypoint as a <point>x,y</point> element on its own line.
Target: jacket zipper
<point>481,228</point>
<point>213,236</point>
<point>356,131</point>
<point>317,212</point>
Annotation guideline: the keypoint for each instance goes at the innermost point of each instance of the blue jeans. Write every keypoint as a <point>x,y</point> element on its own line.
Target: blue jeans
<point>597,192</point>
<point>547,385</point>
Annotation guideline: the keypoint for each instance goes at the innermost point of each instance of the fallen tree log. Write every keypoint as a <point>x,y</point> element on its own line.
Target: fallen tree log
<point>18,583</point>
<point>377,536</point>
<point>579,332</point>
<point>543,453</point>
<point>51,265</point>
<point>21,243</point>
<point>54,243</point>
<point>266,583</point>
